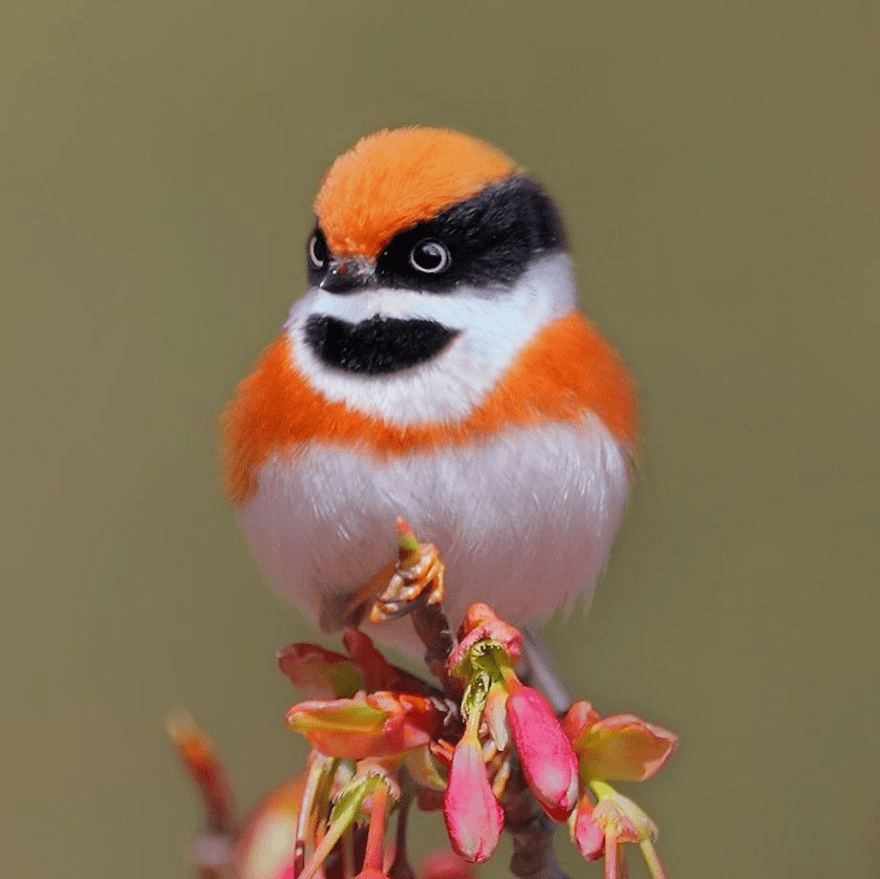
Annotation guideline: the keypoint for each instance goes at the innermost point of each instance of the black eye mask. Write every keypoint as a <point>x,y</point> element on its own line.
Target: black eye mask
<point>489,239</point>
<point>376,346</point>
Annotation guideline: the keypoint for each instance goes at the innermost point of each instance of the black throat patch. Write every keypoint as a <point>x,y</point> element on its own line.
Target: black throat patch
<point>375,346</point>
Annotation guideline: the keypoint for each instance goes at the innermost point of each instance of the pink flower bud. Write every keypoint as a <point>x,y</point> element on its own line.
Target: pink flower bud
<point>548,762</point>
<point>586,834</point>
<point>472,814</point>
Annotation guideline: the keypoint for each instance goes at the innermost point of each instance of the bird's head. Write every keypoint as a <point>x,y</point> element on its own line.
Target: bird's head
<point>434,259</point>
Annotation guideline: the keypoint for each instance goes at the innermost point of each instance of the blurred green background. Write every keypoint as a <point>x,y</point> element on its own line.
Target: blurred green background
<point>718,167</point>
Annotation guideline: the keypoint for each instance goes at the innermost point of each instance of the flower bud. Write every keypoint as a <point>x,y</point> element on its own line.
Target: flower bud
<point>586,834</point>
<point>548,762</point>
<point>473,816</point>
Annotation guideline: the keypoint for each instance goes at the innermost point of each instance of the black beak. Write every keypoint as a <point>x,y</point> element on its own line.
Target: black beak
<point>347,276</point>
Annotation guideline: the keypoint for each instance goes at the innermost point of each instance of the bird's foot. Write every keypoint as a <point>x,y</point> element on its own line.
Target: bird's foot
<point>417,580</point>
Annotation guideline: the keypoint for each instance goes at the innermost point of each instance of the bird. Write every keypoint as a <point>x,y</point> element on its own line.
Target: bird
<point>436,368</point>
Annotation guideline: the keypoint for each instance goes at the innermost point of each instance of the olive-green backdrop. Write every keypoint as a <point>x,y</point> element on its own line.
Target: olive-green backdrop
<point>717,163</point>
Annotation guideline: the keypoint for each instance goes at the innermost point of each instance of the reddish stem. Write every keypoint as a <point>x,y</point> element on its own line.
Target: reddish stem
<point>374,855</point>
<point>611,869</point>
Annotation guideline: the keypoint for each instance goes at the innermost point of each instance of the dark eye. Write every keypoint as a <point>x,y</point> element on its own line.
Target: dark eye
<point>430,256</point>
<point>317,251</point>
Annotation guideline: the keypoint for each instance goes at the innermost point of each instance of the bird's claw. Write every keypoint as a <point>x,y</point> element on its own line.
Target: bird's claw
<point>417,582</point>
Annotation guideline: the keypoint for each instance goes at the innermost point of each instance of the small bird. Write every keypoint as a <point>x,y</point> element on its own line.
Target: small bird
<point>437,368</point>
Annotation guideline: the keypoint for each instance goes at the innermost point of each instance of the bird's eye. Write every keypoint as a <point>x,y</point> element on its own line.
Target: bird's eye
<point>430,256</point>
<point>317,251</point>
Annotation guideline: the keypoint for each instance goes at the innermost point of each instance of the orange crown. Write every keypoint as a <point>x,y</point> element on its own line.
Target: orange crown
<point>391,180</point>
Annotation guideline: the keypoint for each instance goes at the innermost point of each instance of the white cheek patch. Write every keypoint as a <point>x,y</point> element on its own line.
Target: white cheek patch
<point>493,325</point>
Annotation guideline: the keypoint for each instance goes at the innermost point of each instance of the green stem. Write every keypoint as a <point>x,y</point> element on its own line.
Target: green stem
<point>313,780</point>
<point>601,789</point>
<point>652,859</point>
<point>344,814</point>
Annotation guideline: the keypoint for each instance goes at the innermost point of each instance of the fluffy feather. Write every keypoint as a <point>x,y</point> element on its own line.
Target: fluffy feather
<point>322,521</point>
<point>565,373</point>
<point>391,180</point>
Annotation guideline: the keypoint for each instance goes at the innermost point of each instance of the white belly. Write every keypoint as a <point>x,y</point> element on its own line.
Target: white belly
<point>523,520</point>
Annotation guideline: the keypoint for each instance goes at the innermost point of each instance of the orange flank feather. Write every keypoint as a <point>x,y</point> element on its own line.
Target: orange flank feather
<point>392,180</point>
<point>566,371</point>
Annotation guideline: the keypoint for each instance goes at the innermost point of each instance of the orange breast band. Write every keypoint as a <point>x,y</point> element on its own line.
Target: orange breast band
<point>566,371</point>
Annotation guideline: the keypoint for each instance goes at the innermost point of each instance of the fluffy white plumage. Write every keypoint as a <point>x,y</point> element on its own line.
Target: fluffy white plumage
<point>324,520</point>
